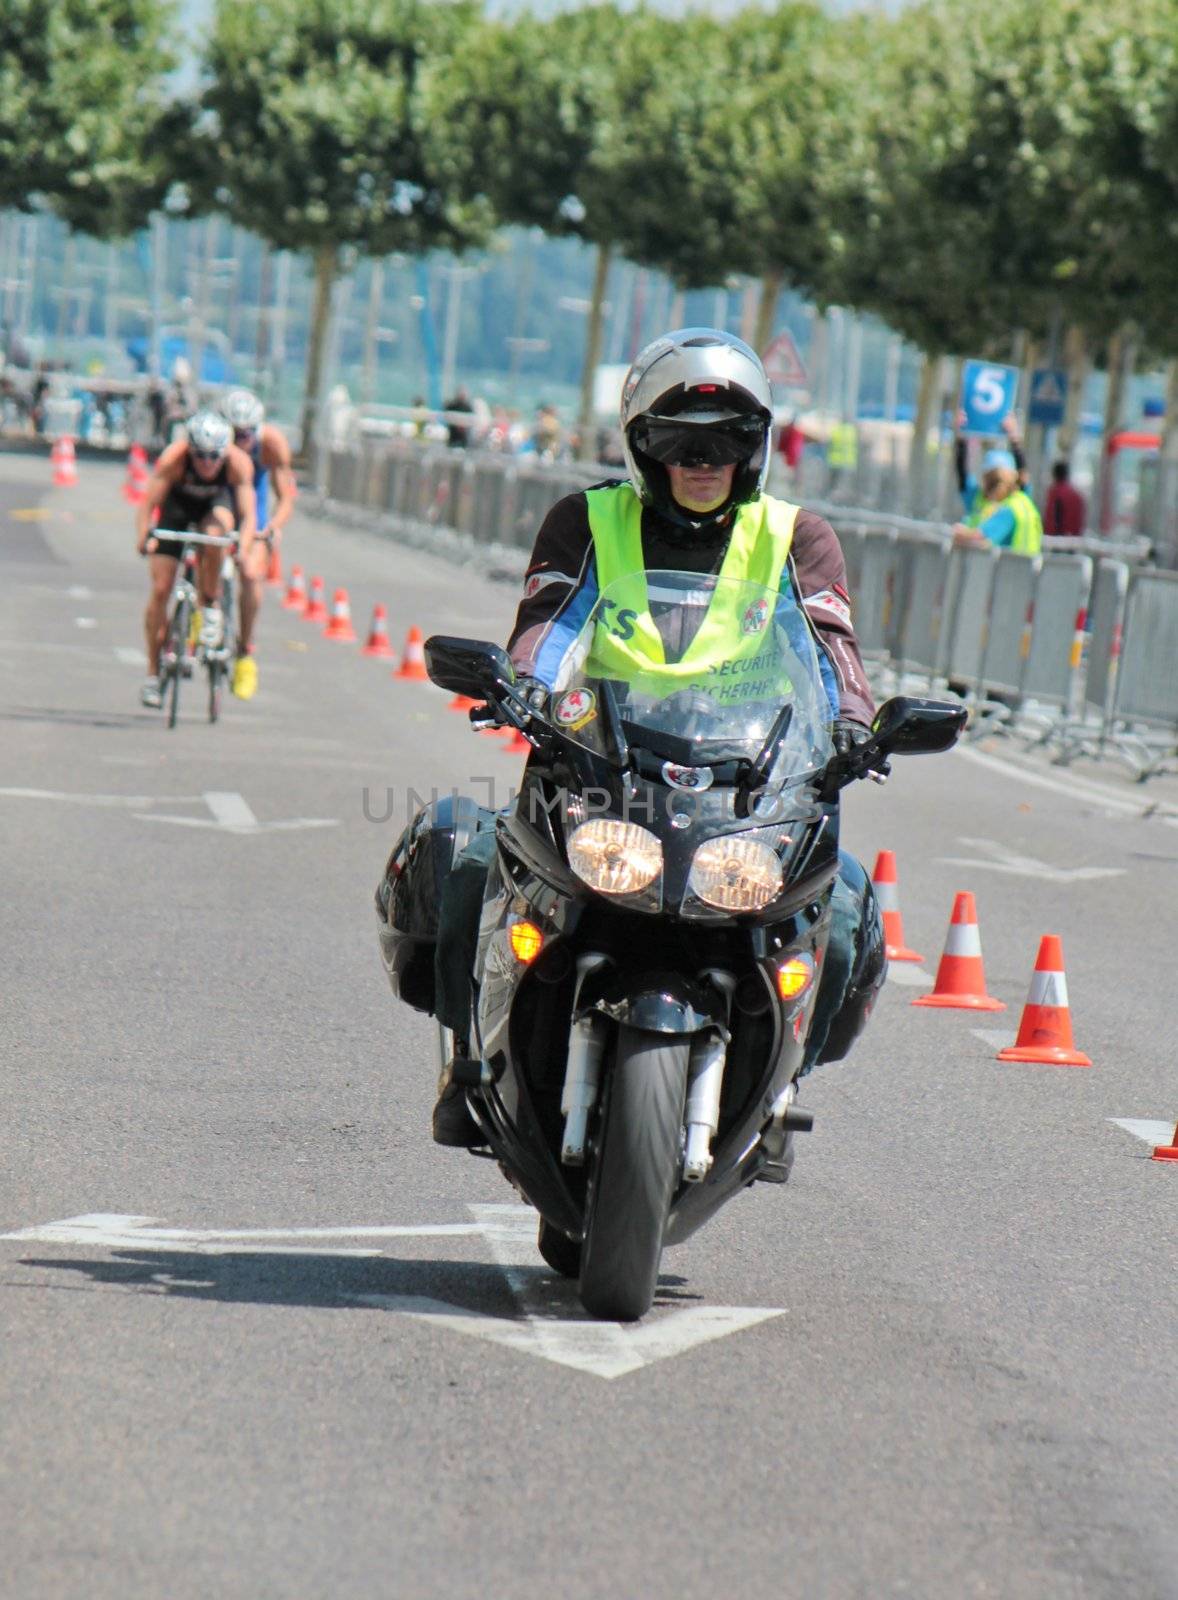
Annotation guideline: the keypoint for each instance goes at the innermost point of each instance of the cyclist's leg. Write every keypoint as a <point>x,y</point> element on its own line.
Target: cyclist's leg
<point>155,618</point>
<point>219,521</point>
<point>253,580</point>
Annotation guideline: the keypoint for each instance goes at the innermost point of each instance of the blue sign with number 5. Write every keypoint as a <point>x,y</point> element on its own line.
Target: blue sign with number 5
<point>987,395</point>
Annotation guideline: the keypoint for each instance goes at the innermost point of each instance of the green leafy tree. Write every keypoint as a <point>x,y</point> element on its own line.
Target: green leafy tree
<point>321,137</point>
<point>523,113</point>
<point>86,121</point>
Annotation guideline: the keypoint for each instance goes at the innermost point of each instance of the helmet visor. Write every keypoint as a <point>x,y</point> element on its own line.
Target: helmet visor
<point>677,442</point>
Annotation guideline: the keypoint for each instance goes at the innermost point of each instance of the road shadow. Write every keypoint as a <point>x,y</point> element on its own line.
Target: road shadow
<point>337,1282</point>
<point>73,718</point>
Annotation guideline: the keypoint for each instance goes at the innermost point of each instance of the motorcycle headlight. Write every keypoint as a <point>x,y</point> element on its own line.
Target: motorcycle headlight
<point>736,874</point>
<point>615,857</point>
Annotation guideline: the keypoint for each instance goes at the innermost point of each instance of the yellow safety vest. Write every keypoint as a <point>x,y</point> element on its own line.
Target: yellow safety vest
<point>627,644</point>
<point>842,449</point>
<point>1028,524</point>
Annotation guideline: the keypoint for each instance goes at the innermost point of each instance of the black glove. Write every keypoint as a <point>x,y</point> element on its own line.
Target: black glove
<point>846,734</point>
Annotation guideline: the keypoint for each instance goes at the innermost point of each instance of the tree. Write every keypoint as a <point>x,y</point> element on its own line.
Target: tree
<point>521,112</point>
<point>86,123</point>
<point>320,137</point>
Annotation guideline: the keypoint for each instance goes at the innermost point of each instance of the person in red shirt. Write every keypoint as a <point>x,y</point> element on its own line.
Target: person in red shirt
<point>1066,510</point>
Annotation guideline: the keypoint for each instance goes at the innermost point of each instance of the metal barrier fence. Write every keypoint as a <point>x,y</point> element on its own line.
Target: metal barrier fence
<point>1074,649</point>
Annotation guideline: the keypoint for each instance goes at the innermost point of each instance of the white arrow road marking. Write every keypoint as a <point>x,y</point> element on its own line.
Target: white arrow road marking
<point>79,591</point>
<point>232,814</point>
<point>908,975</point>
<point>1002,859</point>
<point>97,799</point>
<point>552,1331</point>
<point>130,657</point>
<point>85,622</point>
<point>116,1231</point>
<point>1153,1133</point>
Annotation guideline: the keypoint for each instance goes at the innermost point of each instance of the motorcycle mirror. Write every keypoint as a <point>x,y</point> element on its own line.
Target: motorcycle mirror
<point>472,667</point>
<point>908,726</point>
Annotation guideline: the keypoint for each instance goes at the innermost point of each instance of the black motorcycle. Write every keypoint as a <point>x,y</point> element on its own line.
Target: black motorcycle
<point>655,917</point>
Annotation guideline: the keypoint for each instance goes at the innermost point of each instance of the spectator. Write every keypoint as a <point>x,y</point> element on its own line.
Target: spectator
<point>791,443</point>
<point>421,415</point>
<point>1066,511</point>
<point>457,434</point>
<point>1002,513</point>
<point>546,434</point>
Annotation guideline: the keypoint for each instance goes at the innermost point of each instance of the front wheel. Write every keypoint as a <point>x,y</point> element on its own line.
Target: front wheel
<point>635,1174</point>
<point>176,648</point>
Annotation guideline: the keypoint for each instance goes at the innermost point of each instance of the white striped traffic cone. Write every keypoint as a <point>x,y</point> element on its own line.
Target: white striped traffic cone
<point>961,978</point>
<point>886,884</point>
<point>1045,1031</point>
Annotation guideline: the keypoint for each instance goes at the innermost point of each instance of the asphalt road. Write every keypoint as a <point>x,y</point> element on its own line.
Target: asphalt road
<point>956,1370</point>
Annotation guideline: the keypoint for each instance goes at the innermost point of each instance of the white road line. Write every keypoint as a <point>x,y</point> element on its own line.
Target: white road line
<point>85,622</point>
<point>1152,1133</point>
<point>1000,1038</point>
<point>79,591</point>
<point>230,810</point>
<point>116,1230</point>
<point>1071,787</point>
<point>1000,858</point>
<point>130,657</point>
<point>908,975</point>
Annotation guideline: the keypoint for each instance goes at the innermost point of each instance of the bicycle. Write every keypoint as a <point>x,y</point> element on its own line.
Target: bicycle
<point>182,649</point>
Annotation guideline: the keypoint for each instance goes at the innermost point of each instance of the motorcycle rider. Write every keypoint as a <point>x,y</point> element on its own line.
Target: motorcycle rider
<point>696,424</point>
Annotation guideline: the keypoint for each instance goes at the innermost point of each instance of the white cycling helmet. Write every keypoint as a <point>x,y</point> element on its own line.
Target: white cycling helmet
<point>694,397</point>
<point>243,411</point>
<point>209,434</point>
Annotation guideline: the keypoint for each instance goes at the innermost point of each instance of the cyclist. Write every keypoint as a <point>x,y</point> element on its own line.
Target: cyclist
<point>267,448</point>
<point>202,482</point>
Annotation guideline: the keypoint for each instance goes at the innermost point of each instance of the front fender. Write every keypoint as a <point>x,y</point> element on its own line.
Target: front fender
<point>666,1004</point>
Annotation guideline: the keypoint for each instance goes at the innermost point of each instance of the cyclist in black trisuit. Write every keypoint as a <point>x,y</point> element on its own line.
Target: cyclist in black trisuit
<point>202,482</point>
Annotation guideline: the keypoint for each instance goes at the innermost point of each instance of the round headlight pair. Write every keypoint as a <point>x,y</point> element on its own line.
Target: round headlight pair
<point>733,874</point>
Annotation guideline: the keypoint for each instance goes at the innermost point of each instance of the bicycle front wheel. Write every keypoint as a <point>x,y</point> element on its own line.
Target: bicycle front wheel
<point>175,649</point>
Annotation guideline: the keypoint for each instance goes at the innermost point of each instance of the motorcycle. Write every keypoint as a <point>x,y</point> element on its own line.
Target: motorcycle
<point>655,917</point>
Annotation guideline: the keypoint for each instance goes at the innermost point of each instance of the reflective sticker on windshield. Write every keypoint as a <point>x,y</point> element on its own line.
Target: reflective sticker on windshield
<point>692,779</point>
<point>756,617</point>
<point>575,709</point>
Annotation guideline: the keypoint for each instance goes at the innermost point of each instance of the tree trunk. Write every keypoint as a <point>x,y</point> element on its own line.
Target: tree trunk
<point>262,329</point>
<point>767,311</point>
<point>1120,361</point>
<point>928,398</point>
<point>587,441</point>
<point>326,268</point>
<point>1075,359</point>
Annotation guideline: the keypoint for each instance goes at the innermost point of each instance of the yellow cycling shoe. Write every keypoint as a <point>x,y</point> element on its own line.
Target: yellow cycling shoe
<point>245,677</point>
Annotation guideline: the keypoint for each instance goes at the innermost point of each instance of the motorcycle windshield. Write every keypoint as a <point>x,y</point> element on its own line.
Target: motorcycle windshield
<point>698,671</point>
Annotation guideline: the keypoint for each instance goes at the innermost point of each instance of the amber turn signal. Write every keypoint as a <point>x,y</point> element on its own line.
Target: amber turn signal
<point>795,976</point>
<point>526,941</point>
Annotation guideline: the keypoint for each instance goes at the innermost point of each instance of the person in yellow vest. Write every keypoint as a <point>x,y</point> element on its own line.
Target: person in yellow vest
<point>1002,512</point>
<point>842,454</point>
<point>696,424</point>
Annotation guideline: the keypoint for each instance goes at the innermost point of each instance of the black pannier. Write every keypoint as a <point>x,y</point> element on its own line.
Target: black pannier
<point>409,895</point>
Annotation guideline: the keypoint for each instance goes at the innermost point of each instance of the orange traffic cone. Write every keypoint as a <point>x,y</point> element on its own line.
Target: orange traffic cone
<point>1045,1032</point>
<point>961,980</point>
<point>65,464</point>
<point>1167,1152</point>
<point>516,744</point>
<point>315,609</point>
<point>135,483</point>
<point>412,665</point>
<point>296,594</point>
<point>378,643</point>
<point>340,626</point>
<point>274,569</point>
<point>461,702</point>
<point>886,885</point>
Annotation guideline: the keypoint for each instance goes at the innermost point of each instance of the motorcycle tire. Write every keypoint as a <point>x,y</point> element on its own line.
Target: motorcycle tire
<point>635,1174</point>
<point>561,1253</point>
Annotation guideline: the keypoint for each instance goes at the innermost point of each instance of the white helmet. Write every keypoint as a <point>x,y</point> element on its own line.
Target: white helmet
<point>209,434</point>
<point>696,396</point>
<point>243,410</point>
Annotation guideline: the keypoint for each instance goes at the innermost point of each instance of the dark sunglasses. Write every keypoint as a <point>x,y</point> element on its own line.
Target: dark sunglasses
<point>207,455</point>
<point>244,435</point>
<point>677,443</point>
